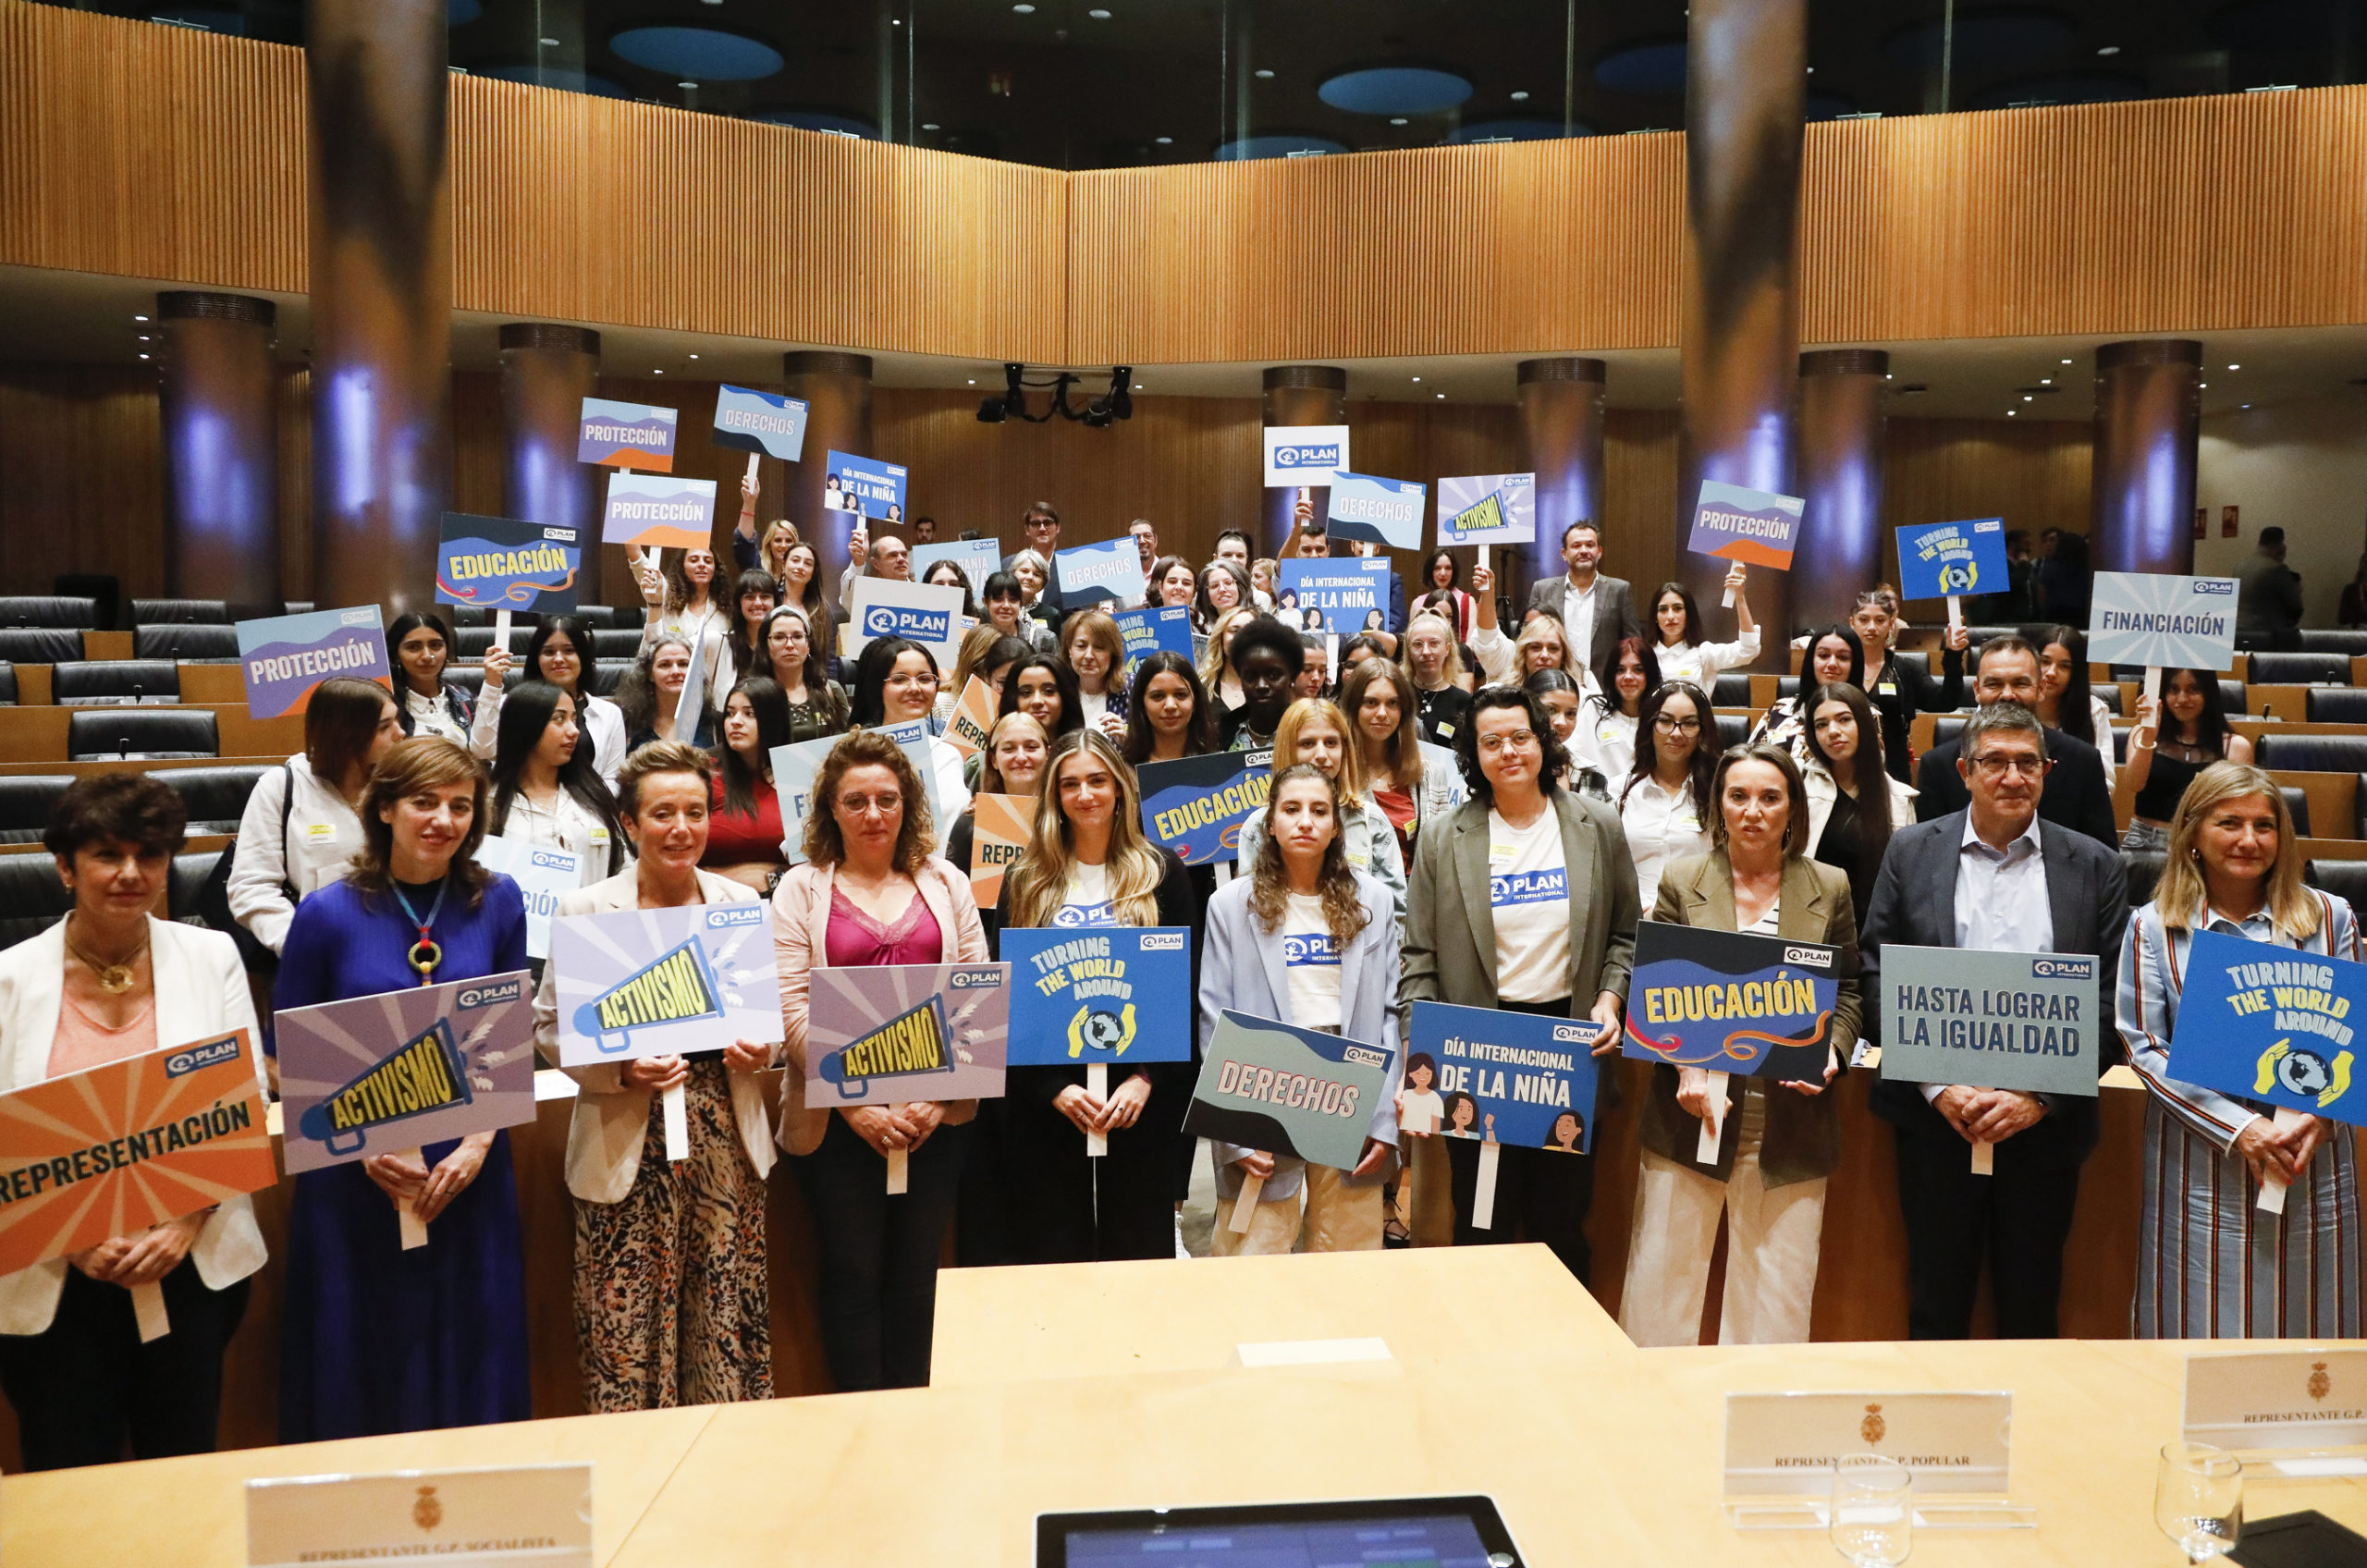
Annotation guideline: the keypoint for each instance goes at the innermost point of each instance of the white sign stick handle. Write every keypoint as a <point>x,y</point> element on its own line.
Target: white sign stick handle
<point>1244,1207</point>
<point>414,1229</point>
<point>1984,1159</point>
<point>1483,1193</point>
<point>900,1171</point>
<point>2153,689</point>
<point>1712,1125</point>
<point>1956,612</point>
<point>501,630</point>
<point>148,1306</point>
<point>1224,872</point>
<point>1726,600</point>
<point>1097,1083</point>
<point>2272,1188</point>
<point>753,458</point>
<point>678,1123</point>
<point>1483,555</point>
<point>1332,656</point>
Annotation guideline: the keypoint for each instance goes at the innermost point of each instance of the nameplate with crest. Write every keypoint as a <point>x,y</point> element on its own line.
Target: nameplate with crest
<point>2312,1400</point>
<point>516,1516</point>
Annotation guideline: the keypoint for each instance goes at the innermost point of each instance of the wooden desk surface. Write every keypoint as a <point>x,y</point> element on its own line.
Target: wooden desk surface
<point>1598,1454</point>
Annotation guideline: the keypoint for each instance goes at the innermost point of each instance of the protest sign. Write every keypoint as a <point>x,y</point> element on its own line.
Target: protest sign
<point>1342,594</point>
<point>882,1035</point>
<point>978,558</point>
<point>761,422</point>
<point>542,876</point>
<point>1107,573</point>
<point>865,486</point>
<point>1951,559</point>
<point>1117,994</point>
<point>1387,511</point>
<point>626,436</point>
<point>1304,454</point>
<point>973,719</point>
<point>2163,622</point>
<point>502,564</point>
<point>1998,1020</point>
<point>1285,1090</point>
<point>1511,1078</point>
<point>920,746</point>
<point>282,657</point>
<point>2272,1025</point>
<point>999,826</point>
<point>1163,628</point>
<point>1195,805</point>
<point>1488,508</point>
<point>663,981</point>
<point>1449,767</point>
<point>795,767</point>
<point>1731,1002</point>
<point>116,1148</point>
<point>1753,527</point>
<point>654,513</point>
<point>927,613</point>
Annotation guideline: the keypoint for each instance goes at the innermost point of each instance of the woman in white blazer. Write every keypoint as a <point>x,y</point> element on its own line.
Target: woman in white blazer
<point>1304,940</point>
<point>111,981</point>
<point>298,833</point>
<point>670,1288</point>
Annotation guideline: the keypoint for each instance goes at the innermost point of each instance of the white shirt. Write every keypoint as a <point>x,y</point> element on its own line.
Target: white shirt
<point>321,837</point>
<point>1312,963</point>
<point>1086,900</point>
<point>1614,741</point>
<point>433,715</point>
<point>1093,705</point>
<point>568,825</point>
<point>1528,894</point>
<point>2001,900</point>
<point>1661,826</point>
<point>1701,665</point>
<point>602,720</point>
<point>1577,617</point>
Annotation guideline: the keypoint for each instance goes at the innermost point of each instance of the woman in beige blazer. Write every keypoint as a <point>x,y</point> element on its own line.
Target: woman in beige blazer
<point>1778,1141</point>
<point>111,981</point>
<point>870,892</point>
<point>671,1300</point>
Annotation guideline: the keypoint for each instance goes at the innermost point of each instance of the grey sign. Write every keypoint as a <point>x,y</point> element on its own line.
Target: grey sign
<point>1995,1021</point>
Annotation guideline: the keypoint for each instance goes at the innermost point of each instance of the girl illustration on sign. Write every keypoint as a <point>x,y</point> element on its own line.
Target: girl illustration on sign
<point>1419,1109</point>
<point>1569,1134</point>
<point>1463,1118</point>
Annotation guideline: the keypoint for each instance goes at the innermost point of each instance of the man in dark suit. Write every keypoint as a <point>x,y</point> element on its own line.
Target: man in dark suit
<point>1997,877</point>
<point>1597,610</point>
<point>2005,670</point>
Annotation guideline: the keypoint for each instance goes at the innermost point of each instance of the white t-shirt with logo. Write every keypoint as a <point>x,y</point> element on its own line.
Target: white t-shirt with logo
<point>1311,963</point>
<point>1085,900</point>
<point>1528,891</point>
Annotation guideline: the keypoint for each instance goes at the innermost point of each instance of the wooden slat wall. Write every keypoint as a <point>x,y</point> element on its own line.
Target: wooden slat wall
<point>2034,473</point>
<point>81,448</point>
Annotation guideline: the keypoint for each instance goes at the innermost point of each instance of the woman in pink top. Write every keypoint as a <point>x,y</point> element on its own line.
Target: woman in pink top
<point>111,981</point>
<point>872,893</point>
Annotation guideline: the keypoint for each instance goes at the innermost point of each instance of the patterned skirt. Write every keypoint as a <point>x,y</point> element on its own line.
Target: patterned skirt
<point>2211,1266</point>
<point>671,1305</point>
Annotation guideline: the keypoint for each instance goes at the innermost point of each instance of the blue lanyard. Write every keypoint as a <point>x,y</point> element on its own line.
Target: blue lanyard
<point>424,954</point>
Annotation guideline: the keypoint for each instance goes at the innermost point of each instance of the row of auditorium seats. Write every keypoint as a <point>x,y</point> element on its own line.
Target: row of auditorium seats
<point>205,642</point>
<point>215,799</point>
<point>66,612</point>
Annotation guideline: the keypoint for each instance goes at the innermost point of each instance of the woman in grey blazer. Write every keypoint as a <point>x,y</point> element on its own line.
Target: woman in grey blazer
<point>1305,940</point>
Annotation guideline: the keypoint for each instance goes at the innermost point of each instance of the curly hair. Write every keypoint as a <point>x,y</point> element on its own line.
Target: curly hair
<point>1555,764</point>
<point>131,808</point>
<point>826,846</point>
<point>1269,885</point>
<point>421,761</point>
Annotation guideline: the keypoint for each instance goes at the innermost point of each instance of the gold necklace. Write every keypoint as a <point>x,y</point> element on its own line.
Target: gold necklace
<point>113,978</point>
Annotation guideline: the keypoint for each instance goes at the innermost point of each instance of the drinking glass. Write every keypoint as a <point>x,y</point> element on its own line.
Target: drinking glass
<point>1873,1512</point>
<point>2199,1499</point>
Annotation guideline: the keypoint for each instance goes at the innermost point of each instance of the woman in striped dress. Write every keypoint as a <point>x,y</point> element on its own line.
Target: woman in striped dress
<point>2210,1263</point>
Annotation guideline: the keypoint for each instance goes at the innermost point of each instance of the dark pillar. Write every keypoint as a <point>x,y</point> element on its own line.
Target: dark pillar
<point>546,371</point>
<point>1299,395</point>
<point>1840,467</point>
<point>382,299</point>
<point>2149,420</point>
<point>1738,335</point>
<point>1561,442</point>
<point>837,389</point>
<point>219,405</point>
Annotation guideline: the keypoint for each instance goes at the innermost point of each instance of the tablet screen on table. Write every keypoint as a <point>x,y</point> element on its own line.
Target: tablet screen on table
<point>1439,1532</point>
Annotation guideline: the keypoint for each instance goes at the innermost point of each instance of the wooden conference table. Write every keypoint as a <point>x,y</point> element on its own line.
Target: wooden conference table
<point>1119,1385</point>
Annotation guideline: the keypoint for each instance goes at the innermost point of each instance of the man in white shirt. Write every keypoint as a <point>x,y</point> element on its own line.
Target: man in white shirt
<point>1596,610</point>
<point>890,559</point>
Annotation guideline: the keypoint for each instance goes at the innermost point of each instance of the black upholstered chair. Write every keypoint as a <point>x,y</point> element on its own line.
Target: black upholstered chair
<point>115,684</point>
<point>1733,691</point>
<point>1733,731</point>
<point>2143,869</point>
<point>215,798</point>
<point>2296,801</point>
<point>180,612</point>
<point>2345,880</point>
<point>186,881</point>
<point>163,733</point>
<point>26,802</point>
<point>2348,641</point>
<point>2299,669</point>
<point>2312,753</point>
<point>33,897</point>
<point>193,642</point>
<point>296,607</point>
<point>7,685</point>
<point>49,609</point>
<point>39,644</point>
<point>615,642</point>
<point>2336,705</point>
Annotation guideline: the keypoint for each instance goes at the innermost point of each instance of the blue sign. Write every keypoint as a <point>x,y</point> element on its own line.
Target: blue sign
<point>626,435</point>
<point>1118,995</point>
<point>978,558</point>
<point>1387,511</point>
<point>1195,805</point>
<point>1510,1078</point>
<point>1755,527</point>
<point>2273,1026</point>
<point>1148,631</point>
<point>1345,594</point>
<point>1488,508</point>
<point>503,564</point>
<point>1949,559</point>
<point>282,657</point>
<point>1112,571</point>
<point>865,486</point>
<point>2167,622</point>
<point>749,421</point>
<point>1731,1003</point>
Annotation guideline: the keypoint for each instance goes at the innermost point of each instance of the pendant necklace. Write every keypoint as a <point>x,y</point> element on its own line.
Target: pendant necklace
<point>424,954</point>
<point>113,978</point>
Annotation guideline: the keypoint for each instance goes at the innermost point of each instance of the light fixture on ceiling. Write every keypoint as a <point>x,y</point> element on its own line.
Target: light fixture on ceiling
<point>688,86</point>
<point>2067,361</point>
<point>1521,97</point>
<point>144,356</point>
<point>932,125</point>
<point>548,42</point>
<point>1441,396</point>
<point>2011,412</point>
<point>1098,15</point>
<point>1113,405</point>
<point>2235,367</point>
<point>1164,140</point>
<point>1397,119</point>
<point>1417,378</point>
<point>973,381</point>
<point>2046,380</point>
<point>1265,76</point>
<point>694,356</point>
<point>1023,9</point>
<point>140,318</point>
<point>2109,49</point>
<point>2026,400</point>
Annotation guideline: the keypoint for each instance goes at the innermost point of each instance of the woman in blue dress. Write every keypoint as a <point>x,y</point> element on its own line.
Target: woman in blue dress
<point>377,1338</point>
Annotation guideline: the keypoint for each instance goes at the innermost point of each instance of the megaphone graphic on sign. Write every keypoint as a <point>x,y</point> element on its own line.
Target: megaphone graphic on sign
<point>675,989</point>
<point>912,1042</point>
<point>425,1075</point>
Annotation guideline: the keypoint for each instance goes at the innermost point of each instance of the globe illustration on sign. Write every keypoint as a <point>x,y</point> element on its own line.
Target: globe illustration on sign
<point>1103,1030</point>
<point>2304,1072</point>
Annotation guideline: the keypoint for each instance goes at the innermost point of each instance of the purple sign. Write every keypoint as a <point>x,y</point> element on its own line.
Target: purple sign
<point>282,657</point>
<point>1755,527</point>
<point>627,436</point>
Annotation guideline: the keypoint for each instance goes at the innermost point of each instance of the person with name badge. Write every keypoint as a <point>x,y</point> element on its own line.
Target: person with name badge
<point>1313,730</point>
<point>650,695</point>
<point>561,651</point>
<point>1596,609</point>
<point>1834,657</point>
<point>753,596</point>
<point>1033,573</point>
<point>1616,712</point>
<point>1854,807</point>
<point>1270,657</point>
<point>1088,867</point>
<point>1664,803</point>
<point>375,1337</point>
<point>545,791</point>
<point>432,703</point>
<point>1011,764</point>
<point>684,599</point>
<point>1409,789</point>
<point>870,892</point>
<point>743,827</point>
<point>896,681</point>
<point>1778,1142</point>
<point>1899,690</point>
<point>2005,670</point>
<point>817,704</point>
<point>1524,900</point>
<point>1443,575</point>
<point>2066,699</point>
<point>1305,939</point>
<point>1684,652</point>
<point>671,1294</point>
<point>302,825</point>
<point>1565,701</point>
<point>2178,734</point>
<point>2211,1263</point>
<point>1995,877</point>
<point>108,981</point>
<point>1095,652</point>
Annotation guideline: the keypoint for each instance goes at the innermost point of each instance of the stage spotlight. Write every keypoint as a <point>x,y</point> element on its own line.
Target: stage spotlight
<point>1014,398</point>
<point>991,410</point>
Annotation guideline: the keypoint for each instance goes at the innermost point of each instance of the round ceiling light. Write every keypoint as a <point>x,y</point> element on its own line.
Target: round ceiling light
<point>1394,90</point>
<point>1250,148</point>
<point>704,54</point>
<point>1656,66</point>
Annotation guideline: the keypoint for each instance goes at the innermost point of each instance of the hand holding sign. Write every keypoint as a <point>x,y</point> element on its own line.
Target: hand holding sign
<point>1951,559</point>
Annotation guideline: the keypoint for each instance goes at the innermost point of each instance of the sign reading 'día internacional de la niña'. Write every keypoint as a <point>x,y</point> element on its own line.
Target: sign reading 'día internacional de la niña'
<point>1511,1078</point>
<point>2025,1022</point>
<point>865,486</point>
<point>627,436</point>
<point>282,657</point>
<point>907,1031</point>
<point>2164,622</point>
<point>664,982</point>
<point>1345,594</point>
<point>1285,1090</point>
<point>498,563</point>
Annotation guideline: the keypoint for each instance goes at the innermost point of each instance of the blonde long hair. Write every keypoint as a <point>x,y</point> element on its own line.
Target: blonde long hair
<point>1351,785</point>
<point>1540,628</point>
<point>1033,887</point>
<point>1270,884</point>
<point>1215,663</point>
<point>1450,668</point>
<point>2290,905</point>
